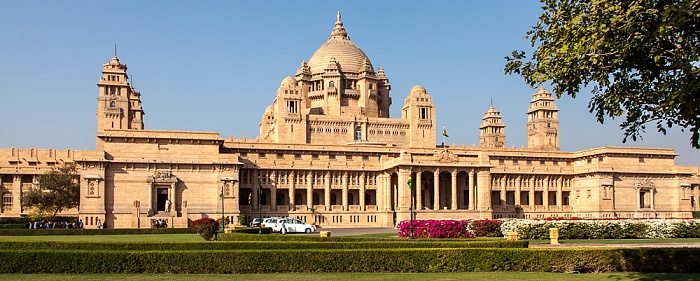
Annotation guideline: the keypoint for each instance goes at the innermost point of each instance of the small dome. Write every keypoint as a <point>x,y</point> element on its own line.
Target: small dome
<point>289,81</point>
<point>418,88</point>
<point>346,53</point>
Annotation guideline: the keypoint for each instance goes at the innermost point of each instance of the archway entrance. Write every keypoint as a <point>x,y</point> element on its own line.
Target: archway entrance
<point>161,196</point>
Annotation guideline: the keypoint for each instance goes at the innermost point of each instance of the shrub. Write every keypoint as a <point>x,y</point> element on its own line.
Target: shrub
<point>205,227</point>
<point>436,229</point>
<point>604,229</point>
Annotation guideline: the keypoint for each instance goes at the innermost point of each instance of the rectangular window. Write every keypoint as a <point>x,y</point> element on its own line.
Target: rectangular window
<point>280,155</point>
<point>297,156</point>
<point>365,157</point>
<point>348,157</point>
<point>244,154</point>
<point>314,156</point>
<point>261,155</point>
<point>331,156</point>
<point>424,113</point>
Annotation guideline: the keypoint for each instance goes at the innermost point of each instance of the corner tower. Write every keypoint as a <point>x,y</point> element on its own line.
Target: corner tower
<point>492,130</point>
<point>420,111</point>
<point>118,104</point>
<point>543,122</point>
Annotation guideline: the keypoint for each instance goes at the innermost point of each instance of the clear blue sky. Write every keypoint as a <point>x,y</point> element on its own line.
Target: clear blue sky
<point>215,65</point>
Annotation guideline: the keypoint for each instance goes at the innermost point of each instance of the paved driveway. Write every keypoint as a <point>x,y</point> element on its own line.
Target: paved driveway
<point>357,231</point>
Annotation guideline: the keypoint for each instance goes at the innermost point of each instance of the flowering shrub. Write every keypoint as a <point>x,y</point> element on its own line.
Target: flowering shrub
<point>486,227</point>
<point>436,229</point>
<point>603,229</point>
<point>205,227</point>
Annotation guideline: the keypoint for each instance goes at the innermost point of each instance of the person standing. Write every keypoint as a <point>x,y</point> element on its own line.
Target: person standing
<point>99,224</point>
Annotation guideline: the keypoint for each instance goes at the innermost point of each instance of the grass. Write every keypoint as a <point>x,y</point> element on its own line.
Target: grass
<point>127,238</point>
<point>482,276</point>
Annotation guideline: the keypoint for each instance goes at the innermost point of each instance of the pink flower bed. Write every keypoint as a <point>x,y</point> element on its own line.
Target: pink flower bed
<point>436,229</point>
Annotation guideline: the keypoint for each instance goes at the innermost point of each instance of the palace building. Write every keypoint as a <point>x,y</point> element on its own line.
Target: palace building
<point>329,153</point>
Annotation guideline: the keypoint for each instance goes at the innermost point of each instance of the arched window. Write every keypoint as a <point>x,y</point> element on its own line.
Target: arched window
<point>112,104</point>
<point>331,84</point>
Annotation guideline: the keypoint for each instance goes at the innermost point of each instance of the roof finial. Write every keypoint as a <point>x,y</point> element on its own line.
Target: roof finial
<point>339,30</point>
<point>115,50</point>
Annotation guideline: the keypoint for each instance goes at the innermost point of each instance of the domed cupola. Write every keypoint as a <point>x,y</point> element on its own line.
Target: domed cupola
<point>349,57</point>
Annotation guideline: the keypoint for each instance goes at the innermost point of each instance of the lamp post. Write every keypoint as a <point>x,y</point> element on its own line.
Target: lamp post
<point>260,193</point>
<point>223,216</point>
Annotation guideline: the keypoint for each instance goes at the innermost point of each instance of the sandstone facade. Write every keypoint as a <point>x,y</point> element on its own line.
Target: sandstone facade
<point>329,153</point>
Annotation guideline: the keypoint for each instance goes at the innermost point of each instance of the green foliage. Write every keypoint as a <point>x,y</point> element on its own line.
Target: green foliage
<point>349,260</point>
<point>640,57</point>
<point>260,245</point>
<point>205,227</point>
<point>55,191</point>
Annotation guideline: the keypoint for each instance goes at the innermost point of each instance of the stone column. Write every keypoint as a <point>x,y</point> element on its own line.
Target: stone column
<point>560,198</point>
<point>273,191</point>
<point>545,193</point>
<point>292,190</point>
<point>401,202</point>
<point>151,205</point>
<point>17,194</point>
<point>484,185</point>
<point>517,191</point>
<point>503,181</point>
<point>436,190</point>
<point>344,182</point>
<point>235,185</point>
<point>362,191</point>
<point>419,188</point>
<point>327,193</point>
<point>637,194</point>
<point>254,190</point>
<point>472,190</point>
<point>652,192</point>
<point>454,189</point>
<point>531,181</point>
<point>309,190</point>
<point>171,196</point>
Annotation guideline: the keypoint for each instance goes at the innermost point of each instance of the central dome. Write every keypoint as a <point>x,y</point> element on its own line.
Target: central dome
<point>338,47</point>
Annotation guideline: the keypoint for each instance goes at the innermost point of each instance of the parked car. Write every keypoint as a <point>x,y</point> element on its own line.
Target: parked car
<point>270,222</point>
<point>292,225</point>
<point>255,222</point>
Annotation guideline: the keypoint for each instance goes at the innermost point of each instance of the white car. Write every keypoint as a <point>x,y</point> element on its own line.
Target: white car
<point>292,225</point>
<point>270,222</point>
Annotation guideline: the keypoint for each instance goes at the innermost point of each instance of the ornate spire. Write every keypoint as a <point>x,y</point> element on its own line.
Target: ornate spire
<point>339,31</point>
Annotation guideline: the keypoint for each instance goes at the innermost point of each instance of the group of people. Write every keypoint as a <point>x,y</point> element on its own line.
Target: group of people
<point>47,224</point>
<point>159,223</point>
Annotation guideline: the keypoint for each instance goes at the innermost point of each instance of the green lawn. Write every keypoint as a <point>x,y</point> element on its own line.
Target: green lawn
<point>481,276</point>
<point>127,238</point>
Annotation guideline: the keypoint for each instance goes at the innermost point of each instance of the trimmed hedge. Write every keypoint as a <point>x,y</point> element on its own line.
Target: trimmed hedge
<point>260,245</point>
<point>83,231</point>
<point>668,260</point>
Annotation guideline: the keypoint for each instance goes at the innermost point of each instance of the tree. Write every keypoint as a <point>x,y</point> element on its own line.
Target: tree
<point>55,191</point>
<point>640,58</point>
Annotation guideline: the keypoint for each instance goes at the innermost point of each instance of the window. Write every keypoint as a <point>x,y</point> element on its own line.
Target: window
<point>292,106</point>
<point>331,156</point>
<point>331,84</point>
<point>280,155</point>
<point>641,159</point>
<point>314,156</point>
<point>297,156</point>
<point>112,104</point>
<point>365,157</point>
<point>261,155</point>
<point>348,157</point>
<point>358,133</point>
<point>424,113</point>
<point>244,154</point>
